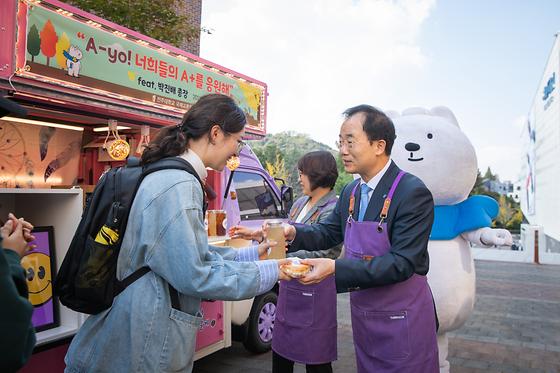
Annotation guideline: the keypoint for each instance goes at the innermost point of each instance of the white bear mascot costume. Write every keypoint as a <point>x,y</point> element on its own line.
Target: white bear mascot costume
<point>431,145</point>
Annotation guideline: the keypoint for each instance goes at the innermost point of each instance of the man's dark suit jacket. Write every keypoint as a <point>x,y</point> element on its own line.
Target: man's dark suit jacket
<point>409,223</point>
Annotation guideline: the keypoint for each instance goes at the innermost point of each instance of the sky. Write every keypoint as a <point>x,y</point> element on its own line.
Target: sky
<point>483,59</point>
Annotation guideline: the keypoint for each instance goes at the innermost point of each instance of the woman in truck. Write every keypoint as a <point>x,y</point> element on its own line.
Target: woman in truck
<point>152,325</point>
<point>305,323</point>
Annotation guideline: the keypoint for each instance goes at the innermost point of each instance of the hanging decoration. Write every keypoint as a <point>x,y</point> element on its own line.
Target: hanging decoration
<point>144,139</point>
<point>118,149</point>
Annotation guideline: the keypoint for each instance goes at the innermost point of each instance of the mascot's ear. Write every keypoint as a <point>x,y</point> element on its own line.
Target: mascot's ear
<point>392,114</point>
<point>445,112</point>
<point>416,111</point>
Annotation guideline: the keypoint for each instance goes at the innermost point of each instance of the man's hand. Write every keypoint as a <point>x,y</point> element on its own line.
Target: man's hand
<point>12,238</point>
<point>289,232</point>
<point>322,268</point>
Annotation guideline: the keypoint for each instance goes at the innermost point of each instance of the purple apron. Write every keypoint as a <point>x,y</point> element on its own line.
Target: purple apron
<point>393,325</point>
<point>305,323</point>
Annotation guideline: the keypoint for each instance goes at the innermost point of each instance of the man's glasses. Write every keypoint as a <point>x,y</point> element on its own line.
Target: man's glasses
<point>349,144</point>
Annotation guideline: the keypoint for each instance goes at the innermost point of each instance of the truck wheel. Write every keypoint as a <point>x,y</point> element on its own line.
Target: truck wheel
<point>261,323</point>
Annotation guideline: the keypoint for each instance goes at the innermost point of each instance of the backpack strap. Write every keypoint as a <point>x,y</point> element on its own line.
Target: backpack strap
<point>174,163</point>
<point>121,285</point>
<point>166,164</point>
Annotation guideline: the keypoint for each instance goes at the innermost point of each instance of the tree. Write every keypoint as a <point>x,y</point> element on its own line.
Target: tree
<point>509,215</point>
<point>480,188</point>
<point>48,41</point>
<point>33,42</point>
<point>514,224</point>
<point>291,147</point>
<point>62,45</point>
<point>489,175</point>
<point>505,213</point>
<point>155,18</point>
<point>278,168</point>
<point>343,177</point>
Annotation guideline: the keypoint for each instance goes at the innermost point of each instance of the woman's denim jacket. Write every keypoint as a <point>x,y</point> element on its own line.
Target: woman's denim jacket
<point>141,332</point>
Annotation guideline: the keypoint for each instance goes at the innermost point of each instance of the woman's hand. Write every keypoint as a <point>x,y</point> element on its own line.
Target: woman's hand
<point>27,227</point>
<point>264,247</point>
<point>245,233</point>
<point>12,238</point>
<point>281,274</point>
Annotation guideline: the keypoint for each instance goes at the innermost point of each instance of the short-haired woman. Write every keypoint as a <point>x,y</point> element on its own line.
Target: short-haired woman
<point>305,323</point>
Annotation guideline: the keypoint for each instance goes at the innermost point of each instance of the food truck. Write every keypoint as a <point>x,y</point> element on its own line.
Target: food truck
<point>90,86</point>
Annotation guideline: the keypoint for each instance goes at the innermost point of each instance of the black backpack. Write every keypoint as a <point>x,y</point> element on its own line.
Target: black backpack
<point>87,280</point>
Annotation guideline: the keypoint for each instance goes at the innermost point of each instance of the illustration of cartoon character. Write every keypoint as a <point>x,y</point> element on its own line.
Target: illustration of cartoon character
<point>73,63</point>
<point>431,145</point>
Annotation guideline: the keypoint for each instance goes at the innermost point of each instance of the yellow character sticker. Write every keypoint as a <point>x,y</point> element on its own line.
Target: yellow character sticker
<point>38,272</point>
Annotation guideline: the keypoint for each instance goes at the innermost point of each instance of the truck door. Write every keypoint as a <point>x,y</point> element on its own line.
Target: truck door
<point>254,198</point>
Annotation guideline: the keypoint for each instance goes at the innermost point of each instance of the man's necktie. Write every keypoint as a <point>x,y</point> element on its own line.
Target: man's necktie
<point>364,200</point>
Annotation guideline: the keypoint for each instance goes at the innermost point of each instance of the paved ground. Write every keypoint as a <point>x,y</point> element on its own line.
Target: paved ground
<point>516,322</point>
<point>515,327</point>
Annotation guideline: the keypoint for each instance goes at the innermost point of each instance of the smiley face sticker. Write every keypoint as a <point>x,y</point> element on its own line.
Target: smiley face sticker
<point>39,265</point>
<point>39,279</point>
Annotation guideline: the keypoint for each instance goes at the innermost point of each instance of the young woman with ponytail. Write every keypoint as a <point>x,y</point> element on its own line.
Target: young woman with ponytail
<point>142,332</point>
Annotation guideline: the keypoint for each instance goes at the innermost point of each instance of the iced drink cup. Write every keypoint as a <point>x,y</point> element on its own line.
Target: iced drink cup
<point>275,232</point>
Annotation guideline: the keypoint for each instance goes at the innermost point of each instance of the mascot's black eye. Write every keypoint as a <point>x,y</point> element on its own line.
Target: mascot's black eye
<point>41,273</point>
<point>430,135</point>
<point>30,274</point>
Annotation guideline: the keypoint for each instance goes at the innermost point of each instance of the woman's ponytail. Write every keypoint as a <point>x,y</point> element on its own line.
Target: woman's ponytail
<point>169,142</point>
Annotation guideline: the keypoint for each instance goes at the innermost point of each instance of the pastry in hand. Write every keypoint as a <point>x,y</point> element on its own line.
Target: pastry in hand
<point>295,269</point>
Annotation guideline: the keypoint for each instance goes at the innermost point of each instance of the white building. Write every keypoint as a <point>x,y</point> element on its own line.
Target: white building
<point>516,191</point>
<point>540,184</point>
<point>500,187</point>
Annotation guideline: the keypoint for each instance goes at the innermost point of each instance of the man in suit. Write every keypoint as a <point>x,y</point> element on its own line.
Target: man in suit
<point>384,219</point>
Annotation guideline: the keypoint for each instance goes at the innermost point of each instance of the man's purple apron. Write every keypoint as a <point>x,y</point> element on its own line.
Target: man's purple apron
<point>305,323</point>
<point>393,325</point>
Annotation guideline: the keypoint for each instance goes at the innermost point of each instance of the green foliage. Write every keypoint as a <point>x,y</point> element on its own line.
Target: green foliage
<point>155,18</point>
<point>343,177</point>
<point>514,224</point>
<point>289,147</point>
<point>478,187</point>
<point>506,212</point>
<point>33,42</point>
<point>510,215</point>
<point>278,168</point>
<point>489,175</point>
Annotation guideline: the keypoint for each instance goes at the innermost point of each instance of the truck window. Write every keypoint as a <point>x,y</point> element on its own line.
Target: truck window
<point>255,197</point>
